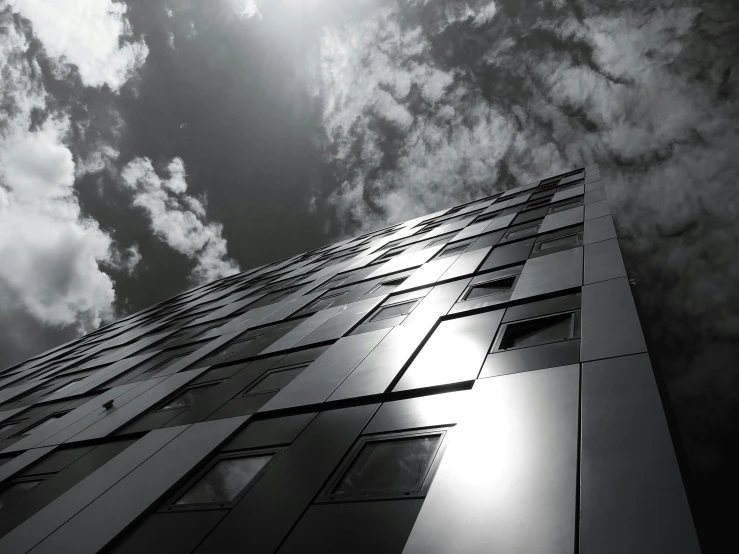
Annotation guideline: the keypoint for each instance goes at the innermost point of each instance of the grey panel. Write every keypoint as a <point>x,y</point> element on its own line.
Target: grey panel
<point>528,359</point>
<point>568,193</point>
<point>424,411</point>
<point>508,479</point>
<point>595,195</point>
<point>378,370</point>
<point>597,209</point>
<point>551,273</point>
<point>343,322</point>
<point>53,516</point>
<point>610,325</point>
<point>107,516</point>
<point>599,229</point>
<point>466,264</point>
<point>455,352</point>
<point>22,461</point>
<point>427,274</point>
<point>270,432</point>
<point>8,414</point>
<point>262,519</point>
<point>175,533</point>
<point>500,222</point>
<point>297,334</point>
<point>356,527</point>
<point>488,239</point>
<point>437,303</point>
<point>594,185</point>
<point>322,377</point>
<point>603,261</point>
<point>471,231</point>
<point>508,254</point>
<point>565,218</point>
<point>632,496</point>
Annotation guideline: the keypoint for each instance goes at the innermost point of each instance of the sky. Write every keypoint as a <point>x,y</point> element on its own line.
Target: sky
<point>148,146</point>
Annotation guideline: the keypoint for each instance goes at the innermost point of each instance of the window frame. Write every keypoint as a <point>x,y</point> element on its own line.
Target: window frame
<point>454,245</point>
<point>171,506</point>
<point>326,497</point>
<point>373,317</point>
<point>468,290</point>
<point>575,330</point>
<point>577,233</point>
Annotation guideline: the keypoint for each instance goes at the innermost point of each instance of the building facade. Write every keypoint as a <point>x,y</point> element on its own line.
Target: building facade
<point>475,380</point>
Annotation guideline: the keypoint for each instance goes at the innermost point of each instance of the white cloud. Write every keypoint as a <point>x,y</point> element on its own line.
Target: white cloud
<point>88,34</point>
<point>178,218</point>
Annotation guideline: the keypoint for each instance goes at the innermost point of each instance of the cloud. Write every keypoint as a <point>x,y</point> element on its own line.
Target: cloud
<point>178,218</point>
<point>93,35</point>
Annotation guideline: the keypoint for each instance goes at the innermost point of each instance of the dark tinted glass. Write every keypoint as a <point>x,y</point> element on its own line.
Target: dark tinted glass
<point>539,331</point>
<point>561,241</point>
<point>395,310</point>
<point>493,287</point>
<point>392,466</point>
<point>225,480</point>
<point>15,490</point>
<point>276,381</point>
<point>187,398</point>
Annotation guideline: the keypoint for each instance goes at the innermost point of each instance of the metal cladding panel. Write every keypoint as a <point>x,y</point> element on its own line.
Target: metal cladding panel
<point>356,527</point>
<point>599,229</point>
<point>603,261</point>
<point>566,194</point>
<point>596,210</point>
<point>610,324</point>
<point>508,479</point>
<point>259,523</point>
<point>427,274</point>
<point>293,337</point>
<point>551,273</point>
<point>466,264</point>
<point>435,410</point>
<point>270,432</point>
<point>322,377</point>
<point>632,497</point>
<point>437,303</point>
<point>49,519</point>
<point>529,359</point>
<point>565,218</point>
<point>455,352</point>
<point>343,322</point>
<point>508,254</point>
<point>22,461</point>
<point>112,512</point>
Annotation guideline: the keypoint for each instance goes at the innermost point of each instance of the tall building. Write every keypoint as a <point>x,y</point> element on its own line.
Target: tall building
<point>471,381</point>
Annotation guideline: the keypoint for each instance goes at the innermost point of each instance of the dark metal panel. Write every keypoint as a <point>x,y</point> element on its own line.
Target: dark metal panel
<point>297,334</point>
<point>466,264</point>
<point>551,273</point>
<point>508,478</point>
<point>270,432</point>
<point>107,516</point>
<point>632,495</point>
<point>527,359</point>
<point>57,460</point>
<point>578,190</point>
<point>610,324</point>
<point>500,222</point>
<point>262,519</point>
<point>322,377</point>
<point>245,405</point>
<point>508,254</point>
<point>528,310</point>
<point>566,218</point>
<point>50,518</point>
<point>378,370</point>
<point>599,229</point>
<point>378,325</point>
<point>595,196</point>
<point>343,322</point>
<point>455,352</point>
<point>175,533</point>
<point>594,185</point>
<point>22,461</point>
<point>356,527</point>
<point>416,413</point>
<point>488,239</point>
<point>437,303</point>
<point>603,261</point>
<point>596,210</point>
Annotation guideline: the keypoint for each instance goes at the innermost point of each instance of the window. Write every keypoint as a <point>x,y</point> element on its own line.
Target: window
<point>491,287</point>
<point>454,249</point>
<point>394,310</point>
<point>542,330</point>
<point>537,203</point>
<point>391,254</point>
<point>521,232</point>
<point>486,217</point>
<point>558,242</point>
<point>388,286</point>
<point>323,302</point>
<point>386,466</point>
<point>274,381</point>
<point>17,488</point>
<point>187,398</point>
<point>43,423</point>
<point>565,206</point>
<point>225,480</point>
<point>570,185</point>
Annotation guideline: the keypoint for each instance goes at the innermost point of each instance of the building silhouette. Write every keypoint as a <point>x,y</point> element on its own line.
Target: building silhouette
<point>475,380</point>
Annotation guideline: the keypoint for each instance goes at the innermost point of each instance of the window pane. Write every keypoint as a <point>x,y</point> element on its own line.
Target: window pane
<point>392,466</point>
<point>225,480</point>
<point>15,490</point>
<point>393,311</point>
<point>538,331</point>
<point>561,241</point>
<point>187,398</point>
<point>493,287</point>
<point>277,380</point>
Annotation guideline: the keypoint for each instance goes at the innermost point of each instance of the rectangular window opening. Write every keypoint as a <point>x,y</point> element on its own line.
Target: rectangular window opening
<point>394,310</point>
<point>496,286</point>
<point>542,330</point>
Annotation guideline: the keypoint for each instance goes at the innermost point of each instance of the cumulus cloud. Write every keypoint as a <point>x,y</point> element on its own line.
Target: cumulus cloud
<point>179,219</point>
<point>93,35</point>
